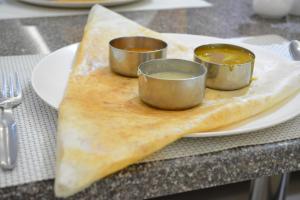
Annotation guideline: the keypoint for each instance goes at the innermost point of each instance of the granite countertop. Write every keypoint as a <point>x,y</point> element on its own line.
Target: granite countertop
<point>226,18</point>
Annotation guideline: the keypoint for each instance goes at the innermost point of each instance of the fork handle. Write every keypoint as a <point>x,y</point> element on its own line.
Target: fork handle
<point>8,140</point>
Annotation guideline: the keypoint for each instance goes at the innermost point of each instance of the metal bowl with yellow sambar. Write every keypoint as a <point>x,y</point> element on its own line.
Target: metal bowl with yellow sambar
<point>229,67</point>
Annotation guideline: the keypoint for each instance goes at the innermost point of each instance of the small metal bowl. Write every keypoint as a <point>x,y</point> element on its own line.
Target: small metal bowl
<point>127,53</point>
<point>171,93</point>
<point>224,76</point>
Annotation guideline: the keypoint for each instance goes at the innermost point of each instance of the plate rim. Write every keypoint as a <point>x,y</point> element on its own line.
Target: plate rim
<point>193,135</point>
<point>78,4</point>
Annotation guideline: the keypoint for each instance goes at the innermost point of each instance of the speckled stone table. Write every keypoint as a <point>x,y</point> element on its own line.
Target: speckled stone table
<point>226,18</point>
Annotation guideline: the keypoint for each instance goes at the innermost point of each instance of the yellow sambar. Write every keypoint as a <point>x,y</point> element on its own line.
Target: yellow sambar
<point>223,54</point>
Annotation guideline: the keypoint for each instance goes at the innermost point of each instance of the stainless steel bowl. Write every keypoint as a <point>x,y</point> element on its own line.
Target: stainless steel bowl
<point>227,77</point>
<point>125,53</point>
<point>171,93</point>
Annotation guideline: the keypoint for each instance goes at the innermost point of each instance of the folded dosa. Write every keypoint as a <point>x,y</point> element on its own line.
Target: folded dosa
<point>104,127</point>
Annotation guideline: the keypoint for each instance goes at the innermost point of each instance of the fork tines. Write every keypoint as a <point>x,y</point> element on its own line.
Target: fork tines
<point>10,86</point>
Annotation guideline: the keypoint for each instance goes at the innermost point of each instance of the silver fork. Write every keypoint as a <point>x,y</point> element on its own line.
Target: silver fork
<point>11,96</point>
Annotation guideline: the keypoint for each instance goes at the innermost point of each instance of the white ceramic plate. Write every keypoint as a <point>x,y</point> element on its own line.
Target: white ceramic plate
<point>50,76</point>
<point>78,4</point>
